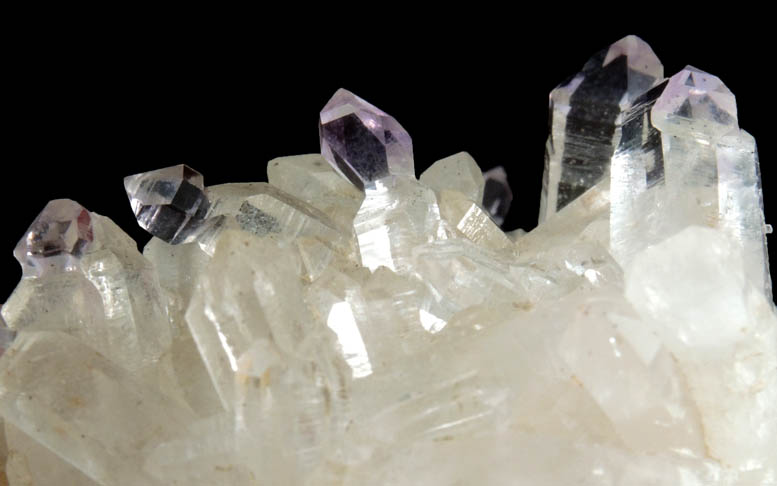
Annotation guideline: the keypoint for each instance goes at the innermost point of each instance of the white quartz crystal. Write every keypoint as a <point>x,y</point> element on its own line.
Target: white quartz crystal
<point>459,172</point>
<point>347,324</point>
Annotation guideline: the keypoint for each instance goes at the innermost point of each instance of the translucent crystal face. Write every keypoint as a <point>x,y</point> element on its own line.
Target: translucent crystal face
<point>56,239</point>
<point>169,203</point>
<point>7,336</point>
<point>458,172</point>
<point>643,69</point>
<point>497,195</point>
<point>588,113</point>
<point>317,332</point>
<point>362,142</point>
<point>695,103</point>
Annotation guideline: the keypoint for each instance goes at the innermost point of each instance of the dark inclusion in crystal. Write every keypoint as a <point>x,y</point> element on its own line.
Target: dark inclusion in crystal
<point>587,113</point>
<point>362,155</point>
<point>58,237</point>
<point>362,142</point>
<point>169,203</point>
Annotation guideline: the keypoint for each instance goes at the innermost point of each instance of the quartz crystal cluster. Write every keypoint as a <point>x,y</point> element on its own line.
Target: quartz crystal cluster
<point>349,324</point>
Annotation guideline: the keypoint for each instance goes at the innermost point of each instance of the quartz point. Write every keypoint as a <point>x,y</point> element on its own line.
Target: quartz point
<point>697,104</point>
<point>56,239</point>
<point>586,119</point>
<point>459,172</point>
<point>169,203</point>
<point>362,142</point>
<point>346,323</point>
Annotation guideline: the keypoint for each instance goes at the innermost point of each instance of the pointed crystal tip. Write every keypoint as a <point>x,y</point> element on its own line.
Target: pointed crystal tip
<point>169,203</point>
<point>57,238</point>
<point>641,61</point>
<point>362,142</point>
<point>695,103</point>
<point>625,70</point>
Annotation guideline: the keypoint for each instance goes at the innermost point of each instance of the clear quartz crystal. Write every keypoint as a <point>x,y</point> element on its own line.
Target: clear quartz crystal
<point>321,330</point>
<point>311,179</point>
<point>711,174</point>
<point>459,172</point>
<point>413,213</point>
<point>169,203</point>
<point>56,239</point>
<point>466,216</point>
<point>587,118</point>
<point>30,462</point>
<point>97,415</point>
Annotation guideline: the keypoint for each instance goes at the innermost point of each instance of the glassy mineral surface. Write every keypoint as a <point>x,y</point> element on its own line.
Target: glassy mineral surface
<point>347,323</point>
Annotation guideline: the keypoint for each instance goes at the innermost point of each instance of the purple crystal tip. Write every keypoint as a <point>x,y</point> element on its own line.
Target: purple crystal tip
<point>362,142</point>
<point>58,237</point>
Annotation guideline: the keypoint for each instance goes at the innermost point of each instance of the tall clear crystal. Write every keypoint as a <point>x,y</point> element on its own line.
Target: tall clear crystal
<point>636,166</point>
<point>587,116</point>
<point>711,168</point>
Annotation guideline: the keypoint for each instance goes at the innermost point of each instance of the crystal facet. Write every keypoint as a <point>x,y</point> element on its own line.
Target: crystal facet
<point>497,195</point>
<point>362,142</point>
<point>586,119</point>
<point>169,203</point>
<point>380,329</point>
<point>459,172</point>
<point>696,103</point>
<point>56,239</point>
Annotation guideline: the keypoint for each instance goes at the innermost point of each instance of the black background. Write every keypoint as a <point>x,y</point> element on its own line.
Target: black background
<point>88,107</point>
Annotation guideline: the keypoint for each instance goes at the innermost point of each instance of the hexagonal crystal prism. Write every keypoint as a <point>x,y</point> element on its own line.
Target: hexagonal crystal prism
<point>587,113</point>
<point>695,103</point>
<point>56,239</point>
<point>169,203</point>
<point>362,142</point>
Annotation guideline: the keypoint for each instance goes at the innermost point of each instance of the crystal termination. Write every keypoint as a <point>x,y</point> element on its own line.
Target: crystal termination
<point>348,324</point>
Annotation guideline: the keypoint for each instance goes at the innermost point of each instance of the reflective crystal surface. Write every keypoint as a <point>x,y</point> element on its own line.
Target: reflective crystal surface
<point>413,213</point>
<point>459,172</point>
<point>587,115</point>
<point>169,203</point>
<point>468,218</point>
<point>497,195</point>
<point>362,142</point>
<point>311,179</point>
<point>695,103</point>
<point>378,329</point>
<point>57,238</point>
